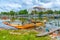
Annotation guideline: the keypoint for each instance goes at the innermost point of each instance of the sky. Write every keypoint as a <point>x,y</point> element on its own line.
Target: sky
<point>16,5</point>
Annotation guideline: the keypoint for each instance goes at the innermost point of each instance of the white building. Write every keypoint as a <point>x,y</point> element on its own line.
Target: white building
<point>37,8</point>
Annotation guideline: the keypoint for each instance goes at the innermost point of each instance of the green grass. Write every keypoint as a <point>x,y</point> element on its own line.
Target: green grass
<point>24,35</point>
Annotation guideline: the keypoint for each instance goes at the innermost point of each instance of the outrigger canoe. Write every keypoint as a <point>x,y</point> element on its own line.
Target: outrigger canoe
<point>25,26</point>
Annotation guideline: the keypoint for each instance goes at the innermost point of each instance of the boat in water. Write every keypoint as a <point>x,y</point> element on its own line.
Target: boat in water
<point>26,25</point>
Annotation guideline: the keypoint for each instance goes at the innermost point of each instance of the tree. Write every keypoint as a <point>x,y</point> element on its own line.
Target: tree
<point>57,12</point>
<point>12,13</point>
<point>41,12</point>
<point>23,12</point>
<point>49,11</point>
<point>4,13</point>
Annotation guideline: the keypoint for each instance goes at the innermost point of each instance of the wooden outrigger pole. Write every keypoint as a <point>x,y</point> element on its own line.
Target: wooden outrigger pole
<point>47,33</point>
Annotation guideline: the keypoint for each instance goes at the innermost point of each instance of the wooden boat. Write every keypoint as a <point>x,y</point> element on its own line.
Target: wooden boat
<point>25,26</point>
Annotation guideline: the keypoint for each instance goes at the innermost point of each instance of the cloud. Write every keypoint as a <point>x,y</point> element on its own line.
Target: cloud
<point>28,2</point>
<point>53,4</point>
<point>47,5</point>
<point>25,4</point>
<point>14,5</point>
<point>11,5</point>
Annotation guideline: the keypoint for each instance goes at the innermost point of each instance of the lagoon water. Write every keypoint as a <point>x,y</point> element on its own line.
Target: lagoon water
<point>5,26</point>
<point>53,24</point>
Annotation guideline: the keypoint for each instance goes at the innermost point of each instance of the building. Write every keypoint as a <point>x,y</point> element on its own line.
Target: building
<point>37,8</point>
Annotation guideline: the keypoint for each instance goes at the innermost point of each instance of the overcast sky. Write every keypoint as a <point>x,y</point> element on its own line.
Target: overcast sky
<point>7,5</point>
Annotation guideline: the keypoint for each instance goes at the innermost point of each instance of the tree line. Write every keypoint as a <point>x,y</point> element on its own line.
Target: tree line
<point>21,12</point>
<point>15,13</point>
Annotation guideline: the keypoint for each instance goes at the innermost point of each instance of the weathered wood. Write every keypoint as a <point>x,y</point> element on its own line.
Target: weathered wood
<point>47,33</point>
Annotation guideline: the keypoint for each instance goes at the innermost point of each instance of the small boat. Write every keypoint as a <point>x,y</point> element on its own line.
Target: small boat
<point>25,26</point>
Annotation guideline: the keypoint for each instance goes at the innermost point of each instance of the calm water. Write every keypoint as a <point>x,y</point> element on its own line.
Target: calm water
<point>5,26</point>
<point>50,24</point>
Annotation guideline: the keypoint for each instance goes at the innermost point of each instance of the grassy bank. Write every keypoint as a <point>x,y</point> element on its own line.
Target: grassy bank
<point>20,35</point>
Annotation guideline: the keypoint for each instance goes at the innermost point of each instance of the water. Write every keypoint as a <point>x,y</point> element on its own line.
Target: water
<point>58,38</point>
<point>5,26</point>
<point>54,24</point>
<point>51,24</point>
